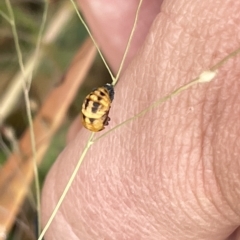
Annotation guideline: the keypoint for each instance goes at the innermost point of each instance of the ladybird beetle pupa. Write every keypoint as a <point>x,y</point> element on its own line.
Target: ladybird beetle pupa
<point>96,107</point>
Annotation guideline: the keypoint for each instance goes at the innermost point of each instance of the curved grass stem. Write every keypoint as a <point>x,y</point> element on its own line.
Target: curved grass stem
<point>26,83</point>
<point>115,80</point>
<point>95,43</point>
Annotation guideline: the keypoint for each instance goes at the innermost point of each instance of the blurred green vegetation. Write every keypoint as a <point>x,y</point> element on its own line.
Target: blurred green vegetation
<point>58,56</point>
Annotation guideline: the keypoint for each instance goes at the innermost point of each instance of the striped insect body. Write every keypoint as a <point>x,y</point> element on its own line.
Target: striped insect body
<point>96,107</point>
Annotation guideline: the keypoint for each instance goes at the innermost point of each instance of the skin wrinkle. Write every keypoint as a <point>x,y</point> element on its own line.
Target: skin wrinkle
<point>225,120</point>
<point>205,138</point>
<point>234,208</point>
<point>198,195</point>
<point>221,211</point>
<point>149,214</point>
<point>103,200</point>
<point>147,201</point>
<point>178,190</point>
<point>72,231</point>
<point>172,219</point>
<point>150,183</point>
<point>150,204</point>
<point>105,217</point>
<point>145,188</point>
<point>192,187</point>
<point>172,39</point>
<point>210,211</point>
<point>209,196</point>
<point>229,217</point>
<point>223,145</point>
<point>181,206</point>
<point>188,170</point>
<point>235,195</point>
<point>85,229</point>
<point>165,197</point>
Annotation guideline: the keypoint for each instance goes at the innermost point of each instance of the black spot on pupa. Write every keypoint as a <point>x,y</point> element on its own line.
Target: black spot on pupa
<point>102,93</point>
<point>99,98</point>
<point>92,120</point>
<point>95,107</point>
<point>86,103</point>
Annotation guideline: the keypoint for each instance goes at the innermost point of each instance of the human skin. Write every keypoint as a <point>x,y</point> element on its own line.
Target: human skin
<point>173,173</point>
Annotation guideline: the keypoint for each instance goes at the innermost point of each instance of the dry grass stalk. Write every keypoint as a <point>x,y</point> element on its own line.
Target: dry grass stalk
<point>17,174</point>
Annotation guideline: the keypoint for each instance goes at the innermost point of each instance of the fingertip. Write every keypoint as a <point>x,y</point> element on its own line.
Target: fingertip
<point>111,23</point>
